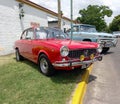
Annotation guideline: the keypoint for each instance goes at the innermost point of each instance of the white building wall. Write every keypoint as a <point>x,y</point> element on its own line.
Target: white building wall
<point>65,24</point>
<point>34,15</point>
<point>11,26</point>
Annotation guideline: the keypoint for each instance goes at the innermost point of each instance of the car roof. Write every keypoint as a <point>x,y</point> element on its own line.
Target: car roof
<point>83,25</point>
<point>43,27</point>
<point>116,32</point>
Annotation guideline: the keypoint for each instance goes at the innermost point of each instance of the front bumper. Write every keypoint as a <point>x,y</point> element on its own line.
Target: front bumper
<point>108,43</point>
<point>75,63</point>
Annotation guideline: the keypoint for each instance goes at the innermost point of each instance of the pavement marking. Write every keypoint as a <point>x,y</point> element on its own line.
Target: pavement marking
<point>81,87</point>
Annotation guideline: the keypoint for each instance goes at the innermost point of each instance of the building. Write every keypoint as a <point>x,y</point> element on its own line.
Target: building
<point>17,15</point>
<point>65,25</point>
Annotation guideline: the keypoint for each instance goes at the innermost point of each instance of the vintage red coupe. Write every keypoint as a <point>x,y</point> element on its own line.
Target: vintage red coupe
<point>51,49</point>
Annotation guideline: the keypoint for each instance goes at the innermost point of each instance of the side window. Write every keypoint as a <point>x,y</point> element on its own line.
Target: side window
<point>30,34</point>
<point>76,29</point>
<point>51,34</point>
<point>69,30</point>
<point>24,35</point>
<point>41,35</point>
<point>82,28</point>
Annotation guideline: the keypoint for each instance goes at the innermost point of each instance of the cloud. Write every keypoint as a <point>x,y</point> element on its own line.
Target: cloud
<point>49,4</point>
<point>78,5</point>
<point>114,6</point>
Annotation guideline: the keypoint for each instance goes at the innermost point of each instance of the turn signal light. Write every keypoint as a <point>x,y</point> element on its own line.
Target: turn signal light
<point>92,56</point>
<point>82,57</point>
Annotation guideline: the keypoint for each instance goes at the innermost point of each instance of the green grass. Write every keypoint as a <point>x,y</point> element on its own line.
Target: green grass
<point>22,83</point>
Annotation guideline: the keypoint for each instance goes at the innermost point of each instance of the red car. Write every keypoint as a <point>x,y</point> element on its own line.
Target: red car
<point>51,49</point>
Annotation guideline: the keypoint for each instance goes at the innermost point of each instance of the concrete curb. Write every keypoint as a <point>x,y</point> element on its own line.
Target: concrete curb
<point>81,87</point>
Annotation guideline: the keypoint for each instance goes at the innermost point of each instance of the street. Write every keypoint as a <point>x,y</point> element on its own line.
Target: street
<point>104,81</point>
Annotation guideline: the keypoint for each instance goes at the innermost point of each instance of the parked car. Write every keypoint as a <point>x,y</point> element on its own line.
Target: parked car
<point>117,34</point>
<point>85,32</point>
<point>52,50</point>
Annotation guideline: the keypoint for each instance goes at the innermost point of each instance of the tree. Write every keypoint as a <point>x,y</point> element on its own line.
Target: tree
<point>115,24</point>
<point>94,15</point>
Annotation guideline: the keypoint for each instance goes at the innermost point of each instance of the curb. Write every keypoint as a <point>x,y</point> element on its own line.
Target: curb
<point>81,87</point>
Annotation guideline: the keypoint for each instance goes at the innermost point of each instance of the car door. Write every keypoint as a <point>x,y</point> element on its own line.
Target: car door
<point>22,43</point>
<point>27,39</point>
<point>29,44</point>
<point>76,33</point>
<point>38,43</point>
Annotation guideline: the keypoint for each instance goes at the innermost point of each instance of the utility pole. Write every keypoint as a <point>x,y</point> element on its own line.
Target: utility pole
<point>71,5</point>
<point>59,14</point>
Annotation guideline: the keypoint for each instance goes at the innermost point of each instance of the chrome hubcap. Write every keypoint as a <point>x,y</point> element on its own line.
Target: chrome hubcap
<point>44,65</point>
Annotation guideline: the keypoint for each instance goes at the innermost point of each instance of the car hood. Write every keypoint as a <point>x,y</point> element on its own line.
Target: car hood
<point>71,44</point>
<point>99,34</point>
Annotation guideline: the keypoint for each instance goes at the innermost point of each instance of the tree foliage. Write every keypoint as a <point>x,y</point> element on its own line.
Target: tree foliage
<point>115,24</point>
<point>95,15</point>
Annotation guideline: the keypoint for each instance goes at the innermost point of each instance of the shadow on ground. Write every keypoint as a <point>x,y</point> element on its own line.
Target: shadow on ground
<point>60,76</point>
<point>107,53</point>
<point>91,78</point>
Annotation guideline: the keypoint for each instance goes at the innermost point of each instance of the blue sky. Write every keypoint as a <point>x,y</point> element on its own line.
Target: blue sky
<point>114,5</point>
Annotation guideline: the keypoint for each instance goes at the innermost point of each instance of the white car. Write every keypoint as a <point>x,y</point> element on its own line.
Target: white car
<point>117,34</point>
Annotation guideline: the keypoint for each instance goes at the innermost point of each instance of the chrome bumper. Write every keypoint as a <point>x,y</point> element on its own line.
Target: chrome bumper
<point>108,43</point>
<point>73,63</point>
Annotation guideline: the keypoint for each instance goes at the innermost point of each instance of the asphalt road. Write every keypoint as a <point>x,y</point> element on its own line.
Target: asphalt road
<point>104,81</point>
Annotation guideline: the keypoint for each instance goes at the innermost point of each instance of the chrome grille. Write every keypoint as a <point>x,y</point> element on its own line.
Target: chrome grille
<point>77,53</point>
<point>106,40</point>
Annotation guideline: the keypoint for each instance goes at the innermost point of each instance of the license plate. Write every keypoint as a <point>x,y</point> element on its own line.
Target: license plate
<point>108,45</point>
<point>84,66</point>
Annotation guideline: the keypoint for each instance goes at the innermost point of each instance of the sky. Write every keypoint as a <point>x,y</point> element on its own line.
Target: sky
<point>114,5</point>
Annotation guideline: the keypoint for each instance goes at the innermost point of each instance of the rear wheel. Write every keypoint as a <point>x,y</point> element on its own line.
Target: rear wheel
<point>18,56</point>
<point>45,65</point>
<point>105,49</point>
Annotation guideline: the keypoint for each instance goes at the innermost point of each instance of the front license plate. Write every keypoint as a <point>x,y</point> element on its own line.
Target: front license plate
<point>108,45</point>
<point>84,66</point>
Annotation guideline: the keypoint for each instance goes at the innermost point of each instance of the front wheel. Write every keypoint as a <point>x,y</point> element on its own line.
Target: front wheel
<point>45,65</point>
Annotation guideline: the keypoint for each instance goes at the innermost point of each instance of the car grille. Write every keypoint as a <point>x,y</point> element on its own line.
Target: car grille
<point>108,37</point>
<point>85,52</point>
<point>106,40</point>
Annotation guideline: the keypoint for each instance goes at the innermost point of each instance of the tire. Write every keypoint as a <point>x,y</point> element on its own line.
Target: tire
<point>45,66</point>
<point>18,56</point>
<point>105,49</point>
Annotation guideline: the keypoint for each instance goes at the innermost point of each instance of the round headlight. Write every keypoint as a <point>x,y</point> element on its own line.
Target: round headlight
<point>99,49</point>
<point>64,51</point>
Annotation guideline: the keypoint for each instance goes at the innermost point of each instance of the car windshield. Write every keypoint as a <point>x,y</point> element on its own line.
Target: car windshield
<point>47,33</point>
<point>84,28</point>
